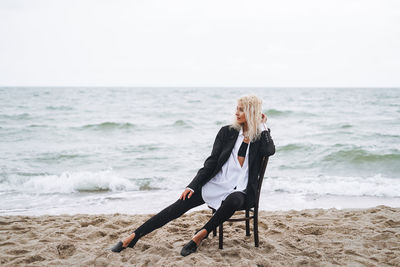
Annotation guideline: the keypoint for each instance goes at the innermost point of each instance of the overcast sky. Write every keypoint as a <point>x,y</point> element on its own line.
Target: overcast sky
<point>200,43</point>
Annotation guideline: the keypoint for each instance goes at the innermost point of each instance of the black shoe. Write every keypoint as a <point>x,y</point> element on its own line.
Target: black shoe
<point>189,248</point>
<point>118,247</point>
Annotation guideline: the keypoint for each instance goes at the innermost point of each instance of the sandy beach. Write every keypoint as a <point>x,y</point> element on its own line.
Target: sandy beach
<point>315,237</point>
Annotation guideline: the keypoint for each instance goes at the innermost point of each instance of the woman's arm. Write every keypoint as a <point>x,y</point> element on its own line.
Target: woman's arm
<point>210,163</point>
<point>267,146</point>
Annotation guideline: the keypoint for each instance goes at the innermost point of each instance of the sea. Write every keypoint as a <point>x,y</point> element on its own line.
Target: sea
<point>102,150</point>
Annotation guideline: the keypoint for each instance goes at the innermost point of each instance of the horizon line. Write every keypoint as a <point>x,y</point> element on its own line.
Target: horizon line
<point>236,87</point>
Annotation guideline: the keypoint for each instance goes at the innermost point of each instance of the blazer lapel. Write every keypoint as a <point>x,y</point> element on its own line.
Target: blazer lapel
<point>253,151</point>
<point>231,141</point>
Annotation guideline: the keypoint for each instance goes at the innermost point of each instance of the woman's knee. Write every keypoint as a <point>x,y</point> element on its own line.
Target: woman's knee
<point>234,201</point>
<point>187,204</point>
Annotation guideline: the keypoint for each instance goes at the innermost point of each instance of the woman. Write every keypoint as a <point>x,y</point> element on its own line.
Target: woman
<point>228,180</point>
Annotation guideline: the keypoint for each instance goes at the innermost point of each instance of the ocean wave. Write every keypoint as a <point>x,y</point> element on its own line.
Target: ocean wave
<point>276,113</point>
<point>39,126</point>
<point>376,186</point>
<point>382,135</point>
<point>150,158</point>
<point>58,157</point>
<point>359,155</point>
<point>182,124</point>
<point>31,173</point>
<point>340,159</point>
<point>146,185</point>
<point>284,113</point>
<point>21,116</point>
<point>59,108</point>
<point>107,126</point>
<point>297,147</point>
<point>73,182</point>
<point>346,126</point>
<point>140,148</point>
<point>336,126</point>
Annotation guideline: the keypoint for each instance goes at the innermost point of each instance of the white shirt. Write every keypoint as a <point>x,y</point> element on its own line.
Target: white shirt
<point>230,176</point>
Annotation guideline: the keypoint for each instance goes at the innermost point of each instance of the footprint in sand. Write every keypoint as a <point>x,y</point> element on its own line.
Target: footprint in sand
<point>268,248</point>
<point>392,224</point>
<point>273,232</point>
<point>17,251</point>
<point>312,230</point>
<point>34,258</point>
<point>173,230</point>
<point>111,226</point>
<point>7,244</point>
<point>65,250</point>
<point>280,224</point>
<point>145,247</point>
<point>96,234</point>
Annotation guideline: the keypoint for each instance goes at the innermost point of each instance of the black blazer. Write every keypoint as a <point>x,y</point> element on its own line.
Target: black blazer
<point>222,148</point>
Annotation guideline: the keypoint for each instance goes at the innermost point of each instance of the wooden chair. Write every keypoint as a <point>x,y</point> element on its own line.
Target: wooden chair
<point>247,217</point>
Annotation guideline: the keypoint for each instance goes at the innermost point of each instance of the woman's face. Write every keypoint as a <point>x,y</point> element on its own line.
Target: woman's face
<point>240,117</point>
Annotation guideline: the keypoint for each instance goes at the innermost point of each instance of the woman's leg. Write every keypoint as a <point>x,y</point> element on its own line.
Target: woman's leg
<point>235,201</point>
<point>163,217</point>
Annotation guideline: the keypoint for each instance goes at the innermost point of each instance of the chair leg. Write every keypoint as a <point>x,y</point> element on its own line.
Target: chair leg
<point>247,223</point>
<point>221,237</point>
<point>215,229</point>
<point>255,220</point>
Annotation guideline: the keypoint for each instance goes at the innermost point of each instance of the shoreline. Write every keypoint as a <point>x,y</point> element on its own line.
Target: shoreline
<point>316,237</point>
<point>138,203</point>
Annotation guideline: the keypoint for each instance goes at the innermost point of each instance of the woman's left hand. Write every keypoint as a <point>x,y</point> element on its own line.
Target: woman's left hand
<point>263,118</point>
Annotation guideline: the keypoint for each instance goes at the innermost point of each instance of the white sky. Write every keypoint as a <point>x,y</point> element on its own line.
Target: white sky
<point>200,43</point>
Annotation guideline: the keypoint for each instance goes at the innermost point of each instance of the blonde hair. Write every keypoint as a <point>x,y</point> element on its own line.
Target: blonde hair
<point>252,107</point>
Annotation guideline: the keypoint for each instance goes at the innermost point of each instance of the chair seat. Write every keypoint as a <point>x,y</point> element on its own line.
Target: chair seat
<point>214,210</point>
<point>240,219</point>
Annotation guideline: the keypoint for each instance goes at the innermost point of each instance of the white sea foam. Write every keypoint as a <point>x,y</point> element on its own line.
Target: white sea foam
<point>70,182</point>
<point>336,185</point>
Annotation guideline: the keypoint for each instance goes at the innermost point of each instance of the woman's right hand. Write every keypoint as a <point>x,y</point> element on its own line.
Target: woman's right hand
<point>187,193</point>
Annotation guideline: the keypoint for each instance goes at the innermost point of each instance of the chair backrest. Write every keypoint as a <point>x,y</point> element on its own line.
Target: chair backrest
<point>264,164</point>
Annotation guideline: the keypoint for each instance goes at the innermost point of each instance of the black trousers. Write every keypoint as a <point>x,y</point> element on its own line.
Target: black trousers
<point>233,202</point>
